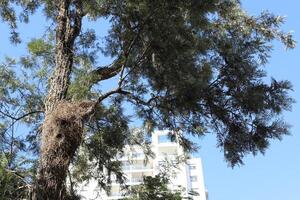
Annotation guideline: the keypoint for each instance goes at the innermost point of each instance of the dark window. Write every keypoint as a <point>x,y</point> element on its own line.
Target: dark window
<point>192,166</point>
<point>193,178</point>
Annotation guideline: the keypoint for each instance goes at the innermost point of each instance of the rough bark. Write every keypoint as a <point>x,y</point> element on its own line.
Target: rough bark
<point>62,135</point>
<point>63,126</point>
<point>68,28</point>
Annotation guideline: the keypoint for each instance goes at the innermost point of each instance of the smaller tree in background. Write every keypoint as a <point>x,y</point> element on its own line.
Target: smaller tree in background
<point>14,182</point>
<point>155,188</point>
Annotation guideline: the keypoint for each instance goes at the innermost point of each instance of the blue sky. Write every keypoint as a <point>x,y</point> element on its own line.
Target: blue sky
<point>274,176</point>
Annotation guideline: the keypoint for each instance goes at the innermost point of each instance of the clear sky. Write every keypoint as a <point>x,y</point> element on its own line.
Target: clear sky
<point>274,176</point>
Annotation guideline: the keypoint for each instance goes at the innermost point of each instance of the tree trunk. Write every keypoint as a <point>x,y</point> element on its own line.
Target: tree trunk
<point>62,134</point>
<point>61,137</point>
<point>63,126</point>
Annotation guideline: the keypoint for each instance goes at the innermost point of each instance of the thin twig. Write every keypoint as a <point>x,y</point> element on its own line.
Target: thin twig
<point>22,116</point>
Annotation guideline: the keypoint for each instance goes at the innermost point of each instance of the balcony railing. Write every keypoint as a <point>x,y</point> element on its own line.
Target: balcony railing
<point>140,167</point>
<point>136,167</point>
<point>116,194</point>
<point>138,155</point>
<point>168,154</point>
<point>137,180</point>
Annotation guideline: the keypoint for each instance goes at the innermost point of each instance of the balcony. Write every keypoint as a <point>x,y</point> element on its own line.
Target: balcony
<point>136,155</point>
<point>137,180</point>
<point>168,155</point>
<point>116,195</point>
<point>140,167</point>
<point>136,167</point>
<point>133,156</point>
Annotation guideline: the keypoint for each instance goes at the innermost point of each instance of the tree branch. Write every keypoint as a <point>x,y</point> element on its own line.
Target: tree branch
<point>107,72</point>
<point>115,91</point>
<point>16,173</point>
<point>20,117</point>
<point>77,20</point>
<point>16,119</point>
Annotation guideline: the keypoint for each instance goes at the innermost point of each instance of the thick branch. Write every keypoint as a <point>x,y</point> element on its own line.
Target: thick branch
<point>107,72</point>
<point>68,28</point>
<point>77,21</point>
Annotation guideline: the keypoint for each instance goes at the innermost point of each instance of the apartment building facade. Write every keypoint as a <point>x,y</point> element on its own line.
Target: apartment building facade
<point>187,175</point>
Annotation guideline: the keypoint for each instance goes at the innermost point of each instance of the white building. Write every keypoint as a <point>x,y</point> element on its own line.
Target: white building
<point>187,175</point>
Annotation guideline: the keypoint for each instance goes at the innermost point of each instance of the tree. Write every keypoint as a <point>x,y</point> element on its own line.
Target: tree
<point>157,187</point>
<point>13,182</point>
<point>193,66</point>
<point>154,188</point>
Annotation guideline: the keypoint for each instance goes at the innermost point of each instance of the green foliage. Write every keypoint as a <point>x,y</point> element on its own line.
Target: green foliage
<point>38,47</point>
<point>8,14</point>
<point>19,96</point>
<point>157,187</point>
<point>107,135</point>
<point>80,86</point>
<point>201,63</point>
<point>14,177</point>
<point>154,188</point>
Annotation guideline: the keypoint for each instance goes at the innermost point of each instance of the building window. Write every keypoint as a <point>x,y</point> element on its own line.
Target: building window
<point>192,166</point>
<point>193,178</point>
